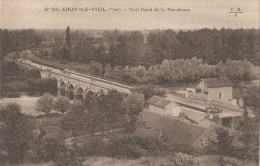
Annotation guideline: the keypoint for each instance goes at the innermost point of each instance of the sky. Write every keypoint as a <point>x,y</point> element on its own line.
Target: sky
<point>24,14</point>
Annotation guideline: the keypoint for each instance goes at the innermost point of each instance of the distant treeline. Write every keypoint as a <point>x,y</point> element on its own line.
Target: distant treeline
<point>133,48</point>
<point>136,48</point>
<point>18,40</point>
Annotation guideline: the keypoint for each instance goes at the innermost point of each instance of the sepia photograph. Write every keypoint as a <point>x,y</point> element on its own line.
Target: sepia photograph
<point>129,82</point>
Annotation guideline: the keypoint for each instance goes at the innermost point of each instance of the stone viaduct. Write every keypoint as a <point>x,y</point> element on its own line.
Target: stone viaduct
<point>80,84</point>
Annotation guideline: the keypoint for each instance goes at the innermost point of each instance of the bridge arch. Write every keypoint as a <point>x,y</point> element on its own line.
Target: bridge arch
<point>62,84</point>
<point>62,88</point>
<point>55,86</point>
<point>79,93</point>
<point>70,91</point>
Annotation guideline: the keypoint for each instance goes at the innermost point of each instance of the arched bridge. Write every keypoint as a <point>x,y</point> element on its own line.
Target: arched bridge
<point>72,82</point>
<point>81,84</point>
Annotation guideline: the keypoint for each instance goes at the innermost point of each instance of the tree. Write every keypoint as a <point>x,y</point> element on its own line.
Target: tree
<point>110,105</point>
<point>68,36</point>
<point>249,137</point>
<point>252,98</point>
<point>16,133</point>
<point>95,68</point>
<point>45,104</point>
<point>47,148</point>
<point>67,157</point>
<point>133,104</point>
<point>62,104</point>
<point>149,90</point>
<point>224,142</point>
<point>66,51</point>
<point>250,125</point>
<point>93,115</point>
<point>74,119</point>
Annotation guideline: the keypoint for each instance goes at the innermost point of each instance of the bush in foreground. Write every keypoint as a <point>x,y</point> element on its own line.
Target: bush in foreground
<point>16,133</point>
<point>62,104</point>
<point>45,104</point>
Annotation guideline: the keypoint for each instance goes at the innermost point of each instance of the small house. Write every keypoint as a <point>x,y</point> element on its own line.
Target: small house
<point>220,90</point>
<point>163,106</point>
<point>217,89</point>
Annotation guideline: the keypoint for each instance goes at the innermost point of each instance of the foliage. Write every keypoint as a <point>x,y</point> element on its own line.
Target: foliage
<point>42,85</point>
<point>95,68</point>
<point>210,45</point>
<point>250,137</point>
<point>250,125</point>
<point>252,98</point>
<point>235,70</point>
<point>24,80</point>
<point>103,112</point>
<point>16,133</point>
<point>188,70</point>
<point>181,159</point>
<point>127,146</point>
<point>74,119</point>
<point>133,103</point>
<point>149,90</point>
<point>17,40</point>
<point>45,104</point>
<point>223,144</point>
<point>17,86</point>
<point>67,157</point>
<point>46,149</point>
<point>31,73</point>
<point>110,105</point>
<point>78,106</point>
<point>93,116</point>
<point>62,104</point>
<point>9,68</point>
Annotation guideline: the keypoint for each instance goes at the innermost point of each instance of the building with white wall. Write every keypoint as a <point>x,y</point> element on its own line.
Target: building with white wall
<point>163,106</point>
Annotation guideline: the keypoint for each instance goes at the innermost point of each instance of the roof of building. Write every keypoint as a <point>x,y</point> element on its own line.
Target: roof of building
<point>154,100</point>
<point>159,102</point>
<point>178,131</point>
<point>217,82</point>
<point>237,93</point>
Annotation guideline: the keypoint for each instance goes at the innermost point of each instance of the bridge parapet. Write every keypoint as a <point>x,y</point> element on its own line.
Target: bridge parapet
<point>87,83</point>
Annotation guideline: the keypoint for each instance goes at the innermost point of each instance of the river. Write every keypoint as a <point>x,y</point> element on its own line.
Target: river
<point>26,102</point>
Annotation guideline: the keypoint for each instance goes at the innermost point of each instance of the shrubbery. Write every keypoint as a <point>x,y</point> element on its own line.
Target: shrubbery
<point>181,159</point>
<point>127,146</point>
<point>16,133</point>
<point>45,104</point>
<point>62,104</point>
